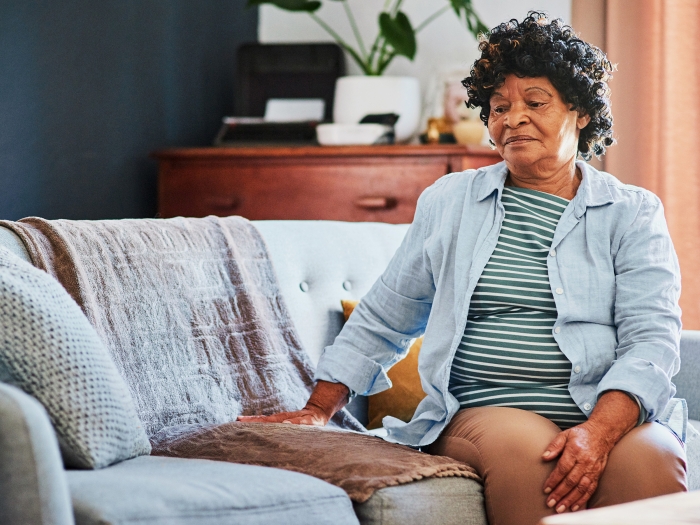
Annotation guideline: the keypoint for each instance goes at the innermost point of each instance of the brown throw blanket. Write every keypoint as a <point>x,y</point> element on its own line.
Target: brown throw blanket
<point>357,463</point>
<point>189,309</point>
<point>192,315</point>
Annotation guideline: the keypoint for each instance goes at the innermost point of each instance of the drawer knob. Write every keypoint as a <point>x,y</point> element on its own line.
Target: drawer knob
<point>376,203</point>
<point>224,203</point>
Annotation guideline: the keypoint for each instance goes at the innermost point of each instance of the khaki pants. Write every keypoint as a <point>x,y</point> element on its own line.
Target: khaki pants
<point>505,446</point>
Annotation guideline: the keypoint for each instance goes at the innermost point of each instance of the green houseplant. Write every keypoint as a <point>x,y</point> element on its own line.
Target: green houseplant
<point>396,36</point>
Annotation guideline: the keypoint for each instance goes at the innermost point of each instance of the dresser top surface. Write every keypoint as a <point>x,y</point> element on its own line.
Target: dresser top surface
<point>325,151</point>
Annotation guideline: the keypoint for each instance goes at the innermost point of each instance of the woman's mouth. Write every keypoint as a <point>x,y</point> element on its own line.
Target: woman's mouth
<point>518,139</point>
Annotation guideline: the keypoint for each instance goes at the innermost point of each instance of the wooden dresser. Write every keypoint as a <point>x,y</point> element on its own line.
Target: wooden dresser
<point>348,183</point>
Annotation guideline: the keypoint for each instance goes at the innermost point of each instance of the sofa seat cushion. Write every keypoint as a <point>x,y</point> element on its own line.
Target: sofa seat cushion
<point>444,501</point>
<point>156,490</point>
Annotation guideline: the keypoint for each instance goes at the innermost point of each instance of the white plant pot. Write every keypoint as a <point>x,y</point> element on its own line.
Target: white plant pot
<point>357,96</point>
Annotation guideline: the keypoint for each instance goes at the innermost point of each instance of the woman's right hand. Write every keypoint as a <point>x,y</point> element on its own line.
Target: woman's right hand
<point>326,399</point>
<point>309,415</point>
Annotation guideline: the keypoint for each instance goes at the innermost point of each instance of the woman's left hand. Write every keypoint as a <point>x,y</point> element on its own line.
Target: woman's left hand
<point>583,453</point>
<point>584,449</point>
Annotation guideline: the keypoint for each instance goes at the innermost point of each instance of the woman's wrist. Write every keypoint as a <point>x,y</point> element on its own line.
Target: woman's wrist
<point>615,414</point>
<point>328,398</point>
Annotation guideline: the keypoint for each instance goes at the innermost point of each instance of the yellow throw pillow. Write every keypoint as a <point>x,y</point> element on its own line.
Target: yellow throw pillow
<point>402,399</point>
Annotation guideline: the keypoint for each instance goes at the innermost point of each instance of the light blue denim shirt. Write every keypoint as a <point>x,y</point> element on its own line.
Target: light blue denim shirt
<point>613,273</point>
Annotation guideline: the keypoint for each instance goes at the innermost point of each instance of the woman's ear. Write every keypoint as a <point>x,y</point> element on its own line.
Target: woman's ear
<point>582,120</point>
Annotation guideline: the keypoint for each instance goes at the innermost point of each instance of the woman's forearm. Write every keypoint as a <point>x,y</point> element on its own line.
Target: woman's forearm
<point>615,414</point>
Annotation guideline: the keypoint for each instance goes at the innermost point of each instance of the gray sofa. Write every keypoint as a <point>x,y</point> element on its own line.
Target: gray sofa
<point>317,263</point>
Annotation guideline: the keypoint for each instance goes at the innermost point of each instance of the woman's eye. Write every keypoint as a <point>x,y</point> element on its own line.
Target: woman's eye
<point>499,109</point>
<point>536,104</point>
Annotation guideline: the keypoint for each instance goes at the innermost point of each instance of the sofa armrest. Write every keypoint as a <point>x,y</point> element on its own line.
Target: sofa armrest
<point>33,485</point>
<point>687,380</point>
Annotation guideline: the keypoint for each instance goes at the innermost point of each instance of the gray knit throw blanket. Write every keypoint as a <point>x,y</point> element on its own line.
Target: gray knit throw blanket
<point>189,309</point>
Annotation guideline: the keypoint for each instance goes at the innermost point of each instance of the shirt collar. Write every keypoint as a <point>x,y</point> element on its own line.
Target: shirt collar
<point>592,192</point>
<point>494,180</point>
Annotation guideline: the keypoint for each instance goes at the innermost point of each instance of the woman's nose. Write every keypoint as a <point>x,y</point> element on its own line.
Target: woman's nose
<point>516,116</point>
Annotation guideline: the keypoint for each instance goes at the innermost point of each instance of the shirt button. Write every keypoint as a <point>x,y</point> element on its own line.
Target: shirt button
<point>559,291</point>
<point>304,286</point>
<point>557,329</point>
<point>553,253</point>
<point>587,406</point>
<point>577,369</point>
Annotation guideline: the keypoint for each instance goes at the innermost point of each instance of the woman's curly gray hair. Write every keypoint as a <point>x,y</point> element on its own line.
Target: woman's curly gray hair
<point>538,47</point>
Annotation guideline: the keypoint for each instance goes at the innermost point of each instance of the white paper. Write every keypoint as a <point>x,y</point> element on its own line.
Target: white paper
<point>243,120</point>
<point>294,109</point>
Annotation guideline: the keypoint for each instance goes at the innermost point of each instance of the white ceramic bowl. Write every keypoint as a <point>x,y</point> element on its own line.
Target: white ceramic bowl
<point>349,134</point>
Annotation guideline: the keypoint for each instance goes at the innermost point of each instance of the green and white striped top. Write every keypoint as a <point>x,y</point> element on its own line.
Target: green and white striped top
<point>508,355</point>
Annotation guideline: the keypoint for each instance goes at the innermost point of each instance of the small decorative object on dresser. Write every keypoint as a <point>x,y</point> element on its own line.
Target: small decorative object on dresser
<point>342,183</point>
<point>468,131</point>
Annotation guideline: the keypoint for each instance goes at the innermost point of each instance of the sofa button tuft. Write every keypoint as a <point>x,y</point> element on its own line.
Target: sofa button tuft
<point>304,286</point>
<point>347,285</point>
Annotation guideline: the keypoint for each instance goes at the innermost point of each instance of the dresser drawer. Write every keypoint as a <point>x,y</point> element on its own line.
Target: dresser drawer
<point>344,183</point>
<point>378,191</point>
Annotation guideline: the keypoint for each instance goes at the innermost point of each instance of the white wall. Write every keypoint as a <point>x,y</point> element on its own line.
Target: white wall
<point>442,46</point>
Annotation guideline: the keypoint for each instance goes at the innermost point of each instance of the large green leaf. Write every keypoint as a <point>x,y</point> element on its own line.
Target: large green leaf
<point>398,33</point>
<point>458,5</point>
<point>290,5</point>
<point>474,23</point>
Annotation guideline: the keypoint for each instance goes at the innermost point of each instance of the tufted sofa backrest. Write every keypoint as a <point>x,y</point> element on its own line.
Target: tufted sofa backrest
<point>318,263</point>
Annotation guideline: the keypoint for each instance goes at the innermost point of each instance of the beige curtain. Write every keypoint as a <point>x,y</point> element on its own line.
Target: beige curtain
<point>656,107</point>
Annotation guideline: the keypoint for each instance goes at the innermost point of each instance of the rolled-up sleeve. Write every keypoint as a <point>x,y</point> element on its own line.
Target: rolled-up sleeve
<point>393,313</point>
<point>647,315</point>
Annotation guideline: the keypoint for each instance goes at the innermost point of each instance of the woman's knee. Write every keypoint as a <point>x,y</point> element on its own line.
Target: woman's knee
<point>649,461</point>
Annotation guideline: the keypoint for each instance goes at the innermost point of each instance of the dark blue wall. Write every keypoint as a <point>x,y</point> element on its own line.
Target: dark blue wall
<point>89,88</point>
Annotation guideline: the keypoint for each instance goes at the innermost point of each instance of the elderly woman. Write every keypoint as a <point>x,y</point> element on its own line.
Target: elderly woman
<point>548,295</point>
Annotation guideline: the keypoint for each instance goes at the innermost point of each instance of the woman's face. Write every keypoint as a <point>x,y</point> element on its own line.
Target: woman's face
<point>532,127</point>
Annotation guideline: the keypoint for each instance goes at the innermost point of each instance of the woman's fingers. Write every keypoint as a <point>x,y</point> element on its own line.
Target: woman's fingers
<point>274,418</point>
<point>282,417</point>
<point>564,466</point>
<point>581,502</point>
<point>567,485</point>
<point>555,447</point>
<point>300,417</point>
<point>577,496</point>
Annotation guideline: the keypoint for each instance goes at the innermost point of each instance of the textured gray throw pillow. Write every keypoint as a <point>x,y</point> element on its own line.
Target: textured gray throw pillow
<point>49,349</point>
